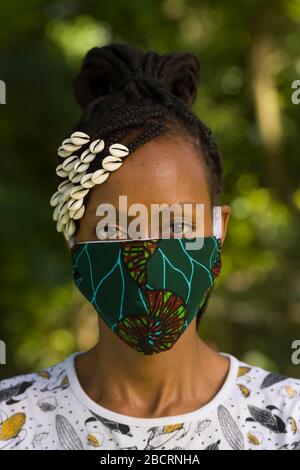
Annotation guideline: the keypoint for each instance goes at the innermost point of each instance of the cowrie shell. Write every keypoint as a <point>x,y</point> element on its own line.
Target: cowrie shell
<point>74,205</point>
<point>64,219</point>
<point>62,186</point>
<point>74,176</point>
<point>76,215</point>
<point>76,179</point>
<point>60,226</point>
<point>79,138</point>
<point>66,141</point>
<point>78,192</point>
<point>70,228</point>
<point>56,212</point>
<point>86,181</point>
<point>55,198</point>
<point>71,213</point>
<point>118,150</point>
<point>69,163</point>
<point>87,156</point>
<point>66,234</point>
<point>111,163</point>
<point>100,176</point>
<point>61,172</point>
<point>80,167</point>
<point>69,146</point>
<point>97,146</point>
<point>66,194</point>
<point>64,208</point>
<point>61,152</point>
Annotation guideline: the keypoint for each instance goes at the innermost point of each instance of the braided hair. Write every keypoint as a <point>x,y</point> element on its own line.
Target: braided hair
<point>131,96</point>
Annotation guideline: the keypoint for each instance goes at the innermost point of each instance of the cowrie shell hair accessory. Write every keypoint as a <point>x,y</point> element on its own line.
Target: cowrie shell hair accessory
<point>100,176</point>
<point>62,152</point>
<point>74,204</point>
<point>66,194</point>
<point>118,150</point>
<point>64,208</point>
<point>61,172</point>
<point>97,146</point>
<point>65,218</point>
<point>70,228</point>
<point>80,167</point>
<point>87,156</point>
<point>62,186</point>
<point>78,180</point>
<point>69,163</point>
<point>55,198</point>
<point>56,212</point>
<point>79,138</point>
<point>78,192</point>
<point>110,163</point>
<point>76,215</point>
<point>59,226</point>
<point>69,146</point>
<point>74,176</point>
<point>86,181</point>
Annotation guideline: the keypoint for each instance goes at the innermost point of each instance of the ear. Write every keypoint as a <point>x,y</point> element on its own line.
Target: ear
<point>226,211</point>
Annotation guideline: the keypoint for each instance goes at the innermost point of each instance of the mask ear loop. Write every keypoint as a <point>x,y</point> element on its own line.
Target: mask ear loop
<point>217,221</point>
<point>217,224</point>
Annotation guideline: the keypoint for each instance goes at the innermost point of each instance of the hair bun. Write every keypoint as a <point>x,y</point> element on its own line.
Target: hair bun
<point>180,71</point>
<point>104,69</point>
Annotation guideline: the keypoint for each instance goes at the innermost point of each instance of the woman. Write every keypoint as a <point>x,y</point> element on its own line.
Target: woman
<point>150,382</point>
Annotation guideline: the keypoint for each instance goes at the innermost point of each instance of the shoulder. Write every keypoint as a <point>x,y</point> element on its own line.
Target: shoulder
<point>25,398</point>
<point>13,389</point>
<point>267,383</point>
<point>272,401</point>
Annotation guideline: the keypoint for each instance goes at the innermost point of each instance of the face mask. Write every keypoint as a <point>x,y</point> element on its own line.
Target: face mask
<point>147,291</point>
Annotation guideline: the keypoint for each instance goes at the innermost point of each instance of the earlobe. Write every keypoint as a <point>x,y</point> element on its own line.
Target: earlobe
<point>226,211</point>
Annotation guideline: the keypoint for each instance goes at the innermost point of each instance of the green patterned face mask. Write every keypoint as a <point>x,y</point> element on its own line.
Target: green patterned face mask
<point>147,291</point>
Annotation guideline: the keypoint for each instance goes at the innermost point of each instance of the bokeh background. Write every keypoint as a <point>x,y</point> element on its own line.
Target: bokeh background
<point>250,55</point>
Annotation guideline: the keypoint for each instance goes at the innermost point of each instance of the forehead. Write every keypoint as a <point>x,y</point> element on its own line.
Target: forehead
<point>163,170</point>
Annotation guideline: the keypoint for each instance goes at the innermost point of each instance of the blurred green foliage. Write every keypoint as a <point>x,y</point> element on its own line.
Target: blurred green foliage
<point>250,55</point>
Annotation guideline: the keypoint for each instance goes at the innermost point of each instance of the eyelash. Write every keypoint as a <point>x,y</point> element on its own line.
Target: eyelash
<point>191,225</point>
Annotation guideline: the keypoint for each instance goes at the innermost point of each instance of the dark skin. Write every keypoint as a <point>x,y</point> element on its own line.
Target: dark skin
<point>187,376</point>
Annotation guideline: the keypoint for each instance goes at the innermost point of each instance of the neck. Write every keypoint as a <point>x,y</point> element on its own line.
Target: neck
<point>172,382</point>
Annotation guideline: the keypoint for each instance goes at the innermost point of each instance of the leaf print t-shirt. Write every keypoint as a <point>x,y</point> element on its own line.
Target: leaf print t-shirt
<point>254,409</point>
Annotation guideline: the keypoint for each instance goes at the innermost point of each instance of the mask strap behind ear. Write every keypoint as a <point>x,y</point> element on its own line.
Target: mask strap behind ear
<point>217,221</point>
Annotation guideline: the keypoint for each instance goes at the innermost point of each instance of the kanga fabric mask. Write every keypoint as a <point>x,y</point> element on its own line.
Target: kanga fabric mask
<point>147,291</point>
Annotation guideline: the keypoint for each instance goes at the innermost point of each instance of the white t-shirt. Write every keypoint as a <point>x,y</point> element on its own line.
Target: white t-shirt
<point>254,409</point>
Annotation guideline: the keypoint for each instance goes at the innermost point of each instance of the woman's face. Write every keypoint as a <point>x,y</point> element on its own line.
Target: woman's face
<point>164,170</point>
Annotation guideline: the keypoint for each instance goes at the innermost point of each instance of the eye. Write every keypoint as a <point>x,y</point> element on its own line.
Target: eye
<point>109,232</point>
<point>179,228</point>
